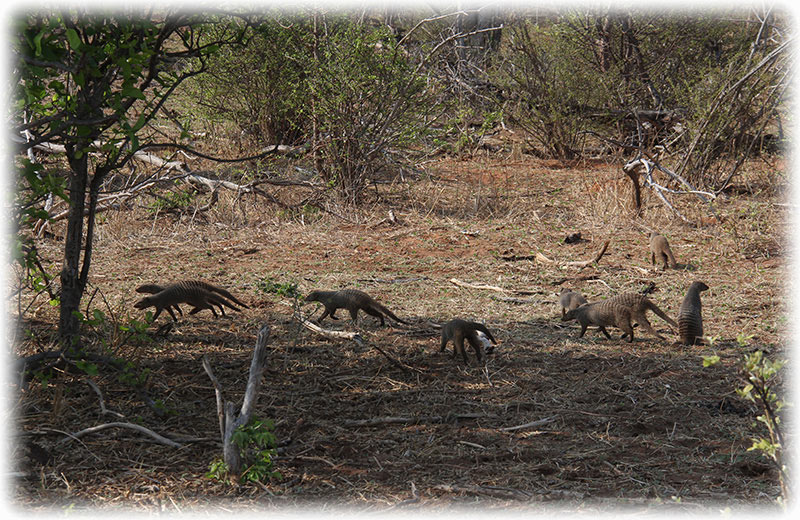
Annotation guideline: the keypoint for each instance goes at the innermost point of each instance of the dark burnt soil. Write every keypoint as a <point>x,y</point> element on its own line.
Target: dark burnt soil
<point>641,426</point>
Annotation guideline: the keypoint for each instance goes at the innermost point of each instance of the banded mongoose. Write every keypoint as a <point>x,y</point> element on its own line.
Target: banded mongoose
<point>458,330</point>
<point>690,317</point>
<point>190,292</point>
<point>659,249</point>
<point>603,314</point>
<point>154,288</point>
<point>639,304</point>
<point>570,300</point>
<point>353,300</point>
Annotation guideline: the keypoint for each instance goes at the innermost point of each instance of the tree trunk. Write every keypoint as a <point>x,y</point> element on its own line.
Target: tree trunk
<point>71,285</point>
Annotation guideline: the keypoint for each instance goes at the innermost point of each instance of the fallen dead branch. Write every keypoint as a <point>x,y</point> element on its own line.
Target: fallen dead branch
<point>355,337</point>
<point>379,421</point>
<point>531,424</point>
<point>331,334</point>
<point>477,286</point>
<point>491,491</point>
<point>581,263</point>
<point>93,429</point>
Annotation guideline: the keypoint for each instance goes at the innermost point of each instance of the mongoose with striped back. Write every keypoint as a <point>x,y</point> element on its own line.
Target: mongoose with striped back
<point>184,292</point>
<point>690,317</point>
<point>152,288</point>
<point>639,304</point>
<point>570,300</point>
<point>660,250</point>
<point>458,330</point>
<point>604,314</point>
<point>352,300</point>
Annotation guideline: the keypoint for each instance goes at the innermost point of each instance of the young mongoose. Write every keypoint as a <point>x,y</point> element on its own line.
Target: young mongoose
<point>353,300</point>
<point>659,249</point>
<point>570,300</point>
<point>690,317</point>
<point>458,330</point>
<point>155,288</point>
<point>603,314</point>
<point>181,292</point>
<point>639,304</point>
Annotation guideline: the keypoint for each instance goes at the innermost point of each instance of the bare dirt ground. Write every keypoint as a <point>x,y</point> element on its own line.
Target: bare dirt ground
<point>639,426</point>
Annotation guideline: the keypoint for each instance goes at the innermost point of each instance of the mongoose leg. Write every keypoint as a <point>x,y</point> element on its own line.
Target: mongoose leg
<point>583,330</point>
<point>169,310</point>
<point>476,346</point>
<point>604,331</point>
<point>642,321</point>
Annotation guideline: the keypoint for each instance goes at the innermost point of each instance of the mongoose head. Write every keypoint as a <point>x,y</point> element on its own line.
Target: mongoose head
<point>700,286</point>
<point>313,296</point>
<point>143,303</point>
<point>573,314</point>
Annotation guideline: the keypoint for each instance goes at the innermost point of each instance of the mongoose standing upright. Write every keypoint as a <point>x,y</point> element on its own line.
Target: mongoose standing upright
<point>639,304</point>
<point>603,314</point>
<point>458,330</point>
<point>659,249</point>
<point>181,292</point>
<point>690,317</point>
<point>353,300</point>
<point>570,300</point>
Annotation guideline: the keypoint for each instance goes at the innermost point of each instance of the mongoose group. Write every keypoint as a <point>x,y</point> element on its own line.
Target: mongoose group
<point>622,311</point>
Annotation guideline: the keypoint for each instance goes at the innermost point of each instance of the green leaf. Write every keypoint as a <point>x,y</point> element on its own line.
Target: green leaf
<point>74,39</point>
<point>710,360</point>
<point>131,91</point>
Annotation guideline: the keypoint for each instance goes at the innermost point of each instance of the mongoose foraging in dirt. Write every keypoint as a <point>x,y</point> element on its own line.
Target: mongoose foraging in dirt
<point>570,300</point>
<point>353,300</point>
<point>603,314</point>
<point>690,318</point>
<point>659,249</point>
<point>458,330</point>
<point>184,292</point>
<point>639,304</point>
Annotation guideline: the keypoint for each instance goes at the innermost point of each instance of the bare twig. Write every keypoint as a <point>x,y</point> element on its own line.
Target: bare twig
<point>103,408</point>
<point>476,286</point>
<point>538,422</point>
<point>492,491</point>
<point>136,427</point>
<point>579,263</point>
<point>379,421</point>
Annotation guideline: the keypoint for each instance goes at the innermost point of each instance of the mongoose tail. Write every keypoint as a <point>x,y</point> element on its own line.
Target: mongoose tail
<point>690,316</point>
<point>458,330</point>
<point>569,300</point>
<point>603,314</point>
<point>660,250</point>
